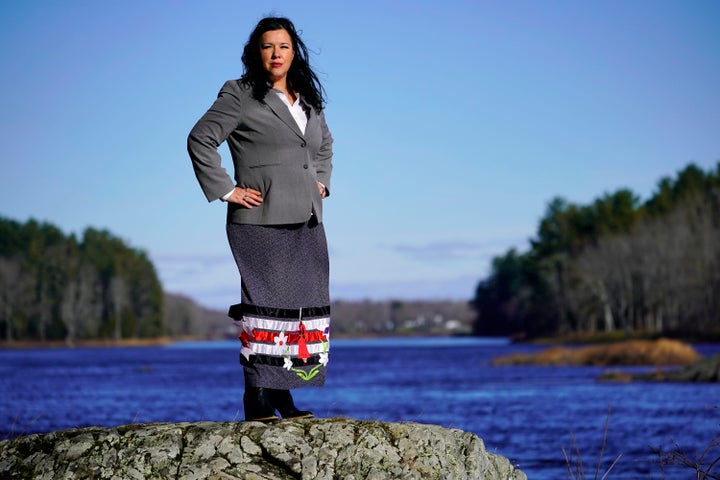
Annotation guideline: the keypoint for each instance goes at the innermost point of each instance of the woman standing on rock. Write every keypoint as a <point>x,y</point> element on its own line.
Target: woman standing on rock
<point>273,121</point>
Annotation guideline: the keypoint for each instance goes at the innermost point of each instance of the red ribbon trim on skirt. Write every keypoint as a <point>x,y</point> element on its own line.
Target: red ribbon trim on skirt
<point>263,336</point>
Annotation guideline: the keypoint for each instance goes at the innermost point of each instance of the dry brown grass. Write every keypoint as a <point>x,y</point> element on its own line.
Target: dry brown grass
<point>661,352</point>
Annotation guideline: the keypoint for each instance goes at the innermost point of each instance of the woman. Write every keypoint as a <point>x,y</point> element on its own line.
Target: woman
<point>273,122</point>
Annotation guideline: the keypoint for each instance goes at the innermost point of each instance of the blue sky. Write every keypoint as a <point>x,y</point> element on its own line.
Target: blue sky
<point>455,122</point>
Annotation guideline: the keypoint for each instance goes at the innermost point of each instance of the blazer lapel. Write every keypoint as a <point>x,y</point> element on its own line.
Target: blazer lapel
<point>312,119</point>
<point>281,111</point>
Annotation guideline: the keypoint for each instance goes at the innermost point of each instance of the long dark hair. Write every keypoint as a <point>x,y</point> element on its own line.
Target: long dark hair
<point>301,77</point>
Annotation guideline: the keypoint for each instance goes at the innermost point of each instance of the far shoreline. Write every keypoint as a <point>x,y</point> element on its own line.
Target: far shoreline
<point>560,340</point>
<point>96,342</point>
<point>159,341</point>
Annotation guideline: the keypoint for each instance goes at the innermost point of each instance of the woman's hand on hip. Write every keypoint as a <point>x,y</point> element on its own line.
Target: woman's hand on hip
<point>247,197</point>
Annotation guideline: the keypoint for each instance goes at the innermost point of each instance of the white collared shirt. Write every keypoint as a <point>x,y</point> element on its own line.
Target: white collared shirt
<point>296,110</point>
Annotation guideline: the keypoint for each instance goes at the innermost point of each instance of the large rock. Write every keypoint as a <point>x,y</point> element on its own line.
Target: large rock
<point>340,449</point>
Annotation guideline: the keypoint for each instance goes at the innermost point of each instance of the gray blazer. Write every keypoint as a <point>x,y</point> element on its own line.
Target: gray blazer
<point>269,154</point>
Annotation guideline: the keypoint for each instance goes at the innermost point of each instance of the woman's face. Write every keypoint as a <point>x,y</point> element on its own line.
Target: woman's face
<point>276,53</point>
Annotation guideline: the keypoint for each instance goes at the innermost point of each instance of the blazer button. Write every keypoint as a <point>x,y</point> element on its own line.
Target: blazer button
<point>303,144</point>
<point>305,166</point>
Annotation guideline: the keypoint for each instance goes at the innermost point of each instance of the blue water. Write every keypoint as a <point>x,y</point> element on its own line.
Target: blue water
<point>528,414</point>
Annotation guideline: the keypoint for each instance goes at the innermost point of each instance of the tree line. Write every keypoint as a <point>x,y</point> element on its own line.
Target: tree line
<point>616,264</point>
<point>58,287</point>
<point>55,286</point>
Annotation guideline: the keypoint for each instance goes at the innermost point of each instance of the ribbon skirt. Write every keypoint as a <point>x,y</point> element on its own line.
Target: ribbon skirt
<point>284,314</point>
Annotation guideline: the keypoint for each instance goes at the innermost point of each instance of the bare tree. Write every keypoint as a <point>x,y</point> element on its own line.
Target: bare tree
<point>118,298</point>
<point>81,306</point>
<point>13,292</point>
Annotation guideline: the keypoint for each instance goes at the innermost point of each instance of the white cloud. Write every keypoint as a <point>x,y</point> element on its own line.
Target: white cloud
<point>454,288</point>
<point>457,250</point>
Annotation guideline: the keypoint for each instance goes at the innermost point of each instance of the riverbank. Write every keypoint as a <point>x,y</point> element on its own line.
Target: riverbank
<point>96,342</point>
<point>618,336</point>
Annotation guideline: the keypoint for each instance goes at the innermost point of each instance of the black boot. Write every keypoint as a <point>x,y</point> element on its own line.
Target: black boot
<point>257,405</point>
<point>282,401</point>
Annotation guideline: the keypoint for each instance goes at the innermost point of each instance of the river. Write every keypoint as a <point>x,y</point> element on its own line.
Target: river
<point>528,414</point>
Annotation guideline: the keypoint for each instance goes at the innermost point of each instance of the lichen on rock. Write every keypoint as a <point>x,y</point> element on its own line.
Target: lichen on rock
<point>327,449</point>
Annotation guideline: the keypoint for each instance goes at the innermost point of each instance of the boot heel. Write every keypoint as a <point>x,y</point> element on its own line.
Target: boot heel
<point>257,405</point>
<point>282,401</point>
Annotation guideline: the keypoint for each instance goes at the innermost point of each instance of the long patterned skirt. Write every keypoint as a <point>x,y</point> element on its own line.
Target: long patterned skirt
<point>284,314</point>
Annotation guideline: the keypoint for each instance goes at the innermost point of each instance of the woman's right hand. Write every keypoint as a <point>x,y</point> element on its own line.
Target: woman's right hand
<point>247,197</point>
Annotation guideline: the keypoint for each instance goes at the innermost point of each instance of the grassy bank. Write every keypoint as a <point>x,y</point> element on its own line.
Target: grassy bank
<point>659,352</point>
